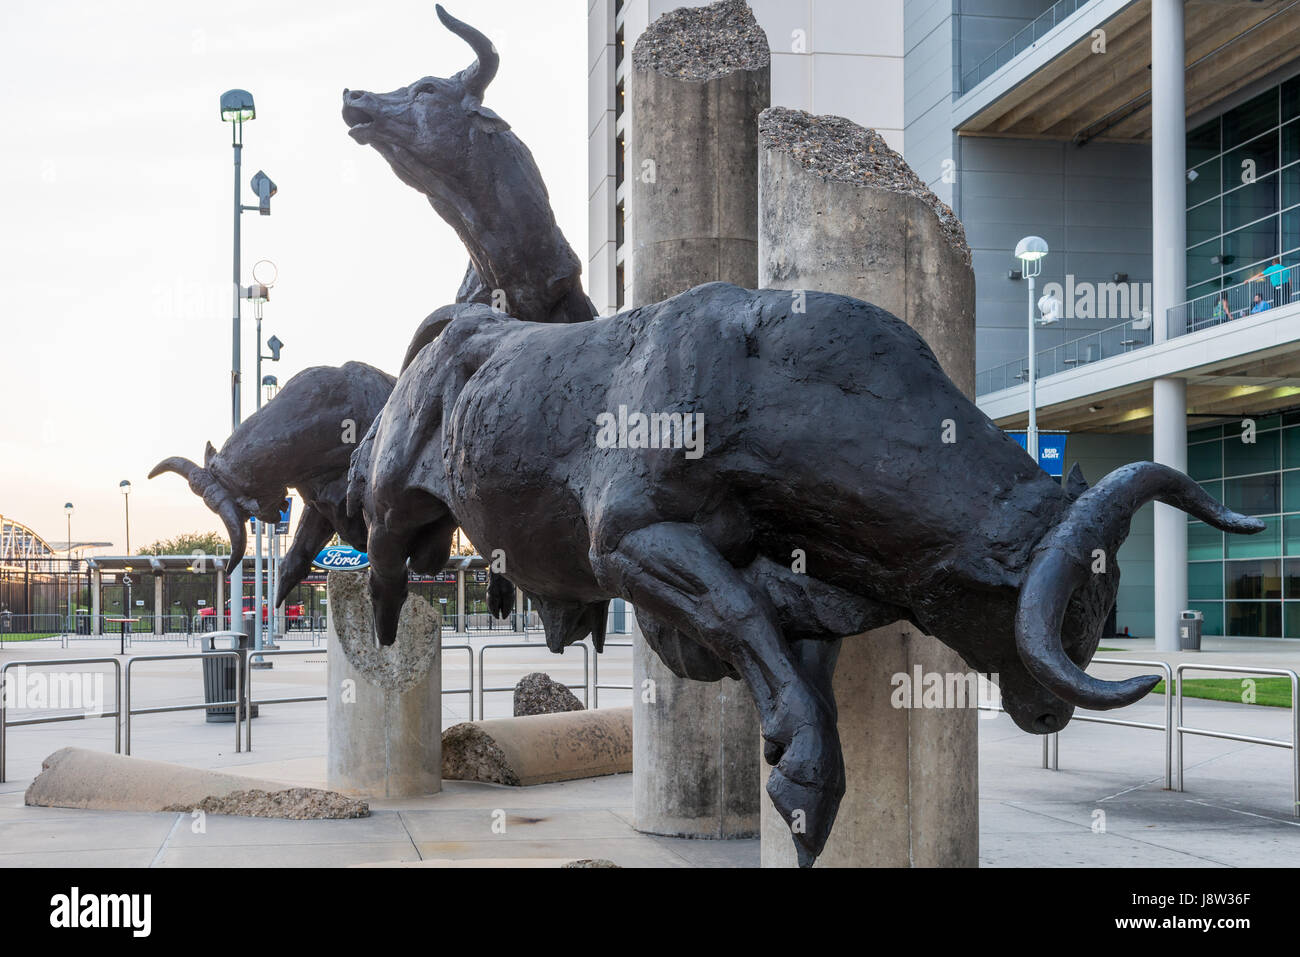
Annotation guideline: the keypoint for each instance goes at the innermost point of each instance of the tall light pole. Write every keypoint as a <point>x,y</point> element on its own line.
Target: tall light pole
<point>124,487</point>
<point>1030,251</point>
<point>236,109</point>
<point>67,508</point>
<point>264,276</point>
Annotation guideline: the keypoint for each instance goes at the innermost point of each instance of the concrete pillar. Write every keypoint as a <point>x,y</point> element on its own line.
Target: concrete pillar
<point>521,610</point>
<point>95,583</point>
<point>1169,288</point>
<point>695,770</point>
<point>911,796</point>
<point>383,713</point>
<point>1169,447</point>
<point>698,81</point>
<point>158,609</point>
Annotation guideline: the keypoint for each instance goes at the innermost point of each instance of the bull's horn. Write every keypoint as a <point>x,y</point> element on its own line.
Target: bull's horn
<point>480,73</point>
<point>215,497</point>
<point>181,466</point>
<point>1062,562</point>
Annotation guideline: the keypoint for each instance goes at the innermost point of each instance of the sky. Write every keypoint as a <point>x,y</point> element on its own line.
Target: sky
<point>115,232</point>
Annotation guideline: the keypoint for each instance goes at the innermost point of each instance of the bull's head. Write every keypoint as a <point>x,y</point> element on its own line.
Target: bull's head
<point>1069,588</point>
<point>233,510</point>
<point>425,130</point>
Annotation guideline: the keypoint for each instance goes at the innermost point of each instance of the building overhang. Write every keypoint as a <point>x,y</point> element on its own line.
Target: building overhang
<point>1248,366</point>
<point>1063,88</point>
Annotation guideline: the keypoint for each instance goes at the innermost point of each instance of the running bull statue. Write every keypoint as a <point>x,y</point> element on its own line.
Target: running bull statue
<point>833,432</point>
<point>303,439</point>
<point>479,176</point>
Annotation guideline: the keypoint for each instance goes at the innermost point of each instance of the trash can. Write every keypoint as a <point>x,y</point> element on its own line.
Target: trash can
<point>220,675</point>
<point>1189,631</point>
<point>83,622</point>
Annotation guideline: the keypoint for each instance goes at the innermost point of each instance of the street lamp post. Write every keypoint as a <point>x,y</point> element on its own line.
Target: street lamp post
<point>236,109</point>
<point>67,508</point>
<point>1030,251</point>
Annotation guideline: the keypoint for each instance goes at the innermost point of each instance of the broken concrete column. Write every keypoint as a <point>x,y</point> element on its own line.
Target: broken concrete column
<point>383,704</point>
<point>95,780</point>
<point>539,748</point>
<point>841,212</point>
<point>700,78</point>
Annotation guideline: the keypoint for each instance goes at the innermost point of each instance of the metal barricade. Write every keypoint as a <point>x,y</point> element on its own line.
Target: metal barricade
<point>5,723</point>
<point>482,674</point>
<point>469,691</point>
<point>240,672</point>
<point>1293,745</point>
<point>249,703</point>
<point>1168,727</point>
<point>596,686</point>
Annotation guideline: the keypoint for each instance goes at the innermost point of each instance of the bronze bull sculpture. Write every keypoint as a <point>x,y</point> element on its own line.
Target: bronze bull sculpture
<point>831,432</point>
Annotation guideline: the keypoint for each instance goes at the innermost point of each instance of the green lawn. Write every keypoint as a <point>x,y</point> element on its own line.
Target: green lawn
<point>29,636</point>
<point>1270,692</point>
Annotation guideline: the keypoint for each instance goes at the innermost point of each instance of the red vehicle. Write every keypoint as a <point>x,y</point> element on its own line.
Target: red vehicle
<point>293,614</point>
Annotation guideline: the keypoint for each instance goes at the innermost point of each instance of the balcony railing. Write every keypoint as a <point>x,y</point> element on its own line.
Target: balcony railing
<point>1234,302</point>
<point>1113,341</point>
<point>1025,38</point>
<point>1204,312</point>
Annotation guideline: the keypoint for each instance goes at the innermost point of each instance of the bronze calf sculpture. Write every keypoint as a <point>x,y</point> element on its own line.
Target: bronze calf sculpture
<point>825,431</point>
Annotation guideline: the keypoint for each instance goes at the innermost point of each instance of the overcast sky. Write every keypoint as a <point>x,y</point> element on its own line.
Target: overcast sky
<point>115,251</point>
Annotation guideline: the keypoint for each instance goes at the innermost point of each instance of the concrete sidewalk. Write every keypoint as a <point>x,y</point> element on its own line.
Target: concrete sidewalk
<point>1106,806</point>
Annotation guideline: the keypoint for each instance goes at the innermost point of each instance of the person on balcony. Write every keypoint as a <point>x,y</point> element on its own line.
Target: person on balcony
<point>1260,303</point>
<point>1280,278</point>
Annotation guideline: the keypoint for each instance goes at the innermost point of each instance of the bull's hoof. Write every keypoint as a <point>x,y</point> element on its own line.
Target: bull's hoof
<point>806,787</point>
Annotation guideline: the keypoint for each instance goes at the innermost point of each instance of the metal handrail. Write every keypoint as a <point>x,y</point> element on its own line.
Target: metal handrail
<point>1167,727</point>
<point>586,670</point>
<point>240,671</point>
<point>249,703</point>
<point>115,713</point>
<point>1293,745</point>
<point>1116,340</point>
<point>469,649</point>
<point>596,686</point>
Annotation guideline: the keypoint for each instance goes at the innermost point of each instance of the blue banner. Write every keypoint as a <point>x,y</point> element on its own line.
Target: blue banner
<point>1051,450</point>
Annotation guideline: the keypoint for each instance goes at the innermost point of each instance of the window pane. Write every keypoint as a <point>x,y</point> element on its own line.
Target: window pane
<point>1204,542</point>
<point>1291,492</point>
<point>1203,224</point>
<point>1292,542</point>
<point>1292,582</point>
<point>1291,448</point>
<point>1213,432</point>
<point>1291,182</point>
<point>1242,458</point>
<point>1200,265</point>
<point>1203,142</point>
<point>1204,580</point>
<point>1251,163</point>
<point>1290,99</point>
<point>1291,230</point>
<point>1252,580</point>
<point>1213,612</point>
<point>1252,118</point>
<point>1205,182</point>
<point>1203,461</point>
<point>1255,619</point>
<point>1250,246</point>
<point>1267,542</point>
<point>1292,620</point>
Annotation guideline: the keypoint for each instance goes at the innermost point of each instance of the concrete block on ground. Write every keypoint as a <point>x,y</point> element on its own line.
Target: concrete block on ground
<point>537,749</point>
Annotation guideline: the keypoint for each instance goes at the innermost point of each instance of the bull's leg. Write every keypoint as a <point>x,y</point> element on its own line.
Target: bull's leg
<point>314,531</point>
<point>674,573</point>
<point>389,548</point>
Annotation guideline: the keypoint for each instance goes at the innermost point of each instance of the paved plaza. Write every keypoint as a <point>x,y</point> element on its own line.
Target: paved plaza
<point>1105,806</point>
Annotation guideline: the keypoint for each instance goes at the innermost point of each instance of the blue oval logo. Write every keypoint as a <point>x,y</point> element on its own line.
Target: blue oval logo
<point>341,556</point>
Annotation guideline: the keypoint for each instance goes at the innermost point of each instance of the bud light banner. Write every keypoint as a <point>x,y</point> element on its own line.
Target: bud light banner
<point>1051,450</point>
<point>341,556</point>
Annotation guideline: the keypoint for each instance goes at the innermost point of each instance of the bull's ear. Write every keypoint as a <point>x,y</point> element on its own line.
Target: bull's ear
<point>1075,483</point>
<point>483,118</point>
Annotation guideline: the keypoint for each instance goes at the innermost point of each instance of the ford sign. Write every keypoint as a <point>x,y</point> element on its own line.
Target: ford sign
<point>341,556</point>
